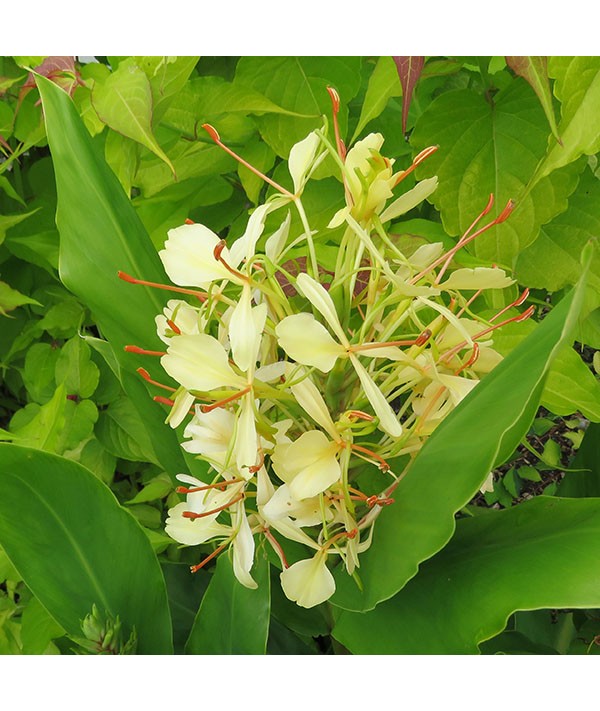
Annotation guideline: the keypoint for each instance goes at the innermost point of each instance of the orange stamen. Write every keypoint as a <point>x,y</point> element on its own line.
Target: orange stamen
<point>163,400</point>
<point>343,534</point>
<point>212,132</point>
<point>167,287</point>
<point>218,485</point>
<point>174,327</point>
<point>196,568</point>
<point>189,222</point>
<point>218,256</point>
<point>276,547</point>
<point>143,351</point>
<point>516,302</point>
<point>146,375</point>
<point>472,359</point>
<point>227,400</point>
<point>359,415</point>
<point>423,155</point>
<point>194,516</point>
<point>383,465</point>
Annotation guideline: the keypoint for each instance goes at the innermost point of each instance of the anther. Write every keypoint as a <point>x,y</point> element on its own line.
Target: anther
<point>383,465</point>
<point>146,375</point>
<point>196,568</point>
<point>218,255</point>
<point>423,155</point>
<point>423,337</point>
<point>143,351</point>
<point>167,287</point>
<point>189,222</point>
<point>359,415</point>
<point>207,487</point>
<point>174,327</point>
<point>163,400</point>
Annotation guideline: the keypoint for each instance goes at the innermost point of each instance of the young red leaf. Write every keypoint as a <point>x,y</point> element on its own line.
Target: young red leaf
<point>409,71</point>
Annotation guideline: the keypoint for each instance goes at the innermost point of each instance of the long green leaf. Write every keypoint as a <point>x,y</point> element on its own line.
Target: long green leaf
<point>74,546</point>
<point>540,554</point>
<point>233,619</point>
<point>100,234</point>
<point>480,434</point>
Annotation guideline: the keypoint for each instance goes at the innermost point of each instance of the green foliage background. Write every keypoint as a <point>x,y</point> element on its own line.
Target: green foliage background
<point>91,184</point>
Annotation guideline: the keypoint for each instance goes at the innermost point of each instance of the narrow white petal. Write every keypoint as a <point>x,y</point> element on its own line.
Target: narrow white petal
<point>180,410</point>
<point>243,248</point>
<point>308,582</point>
<point>243,336</point>
<point>320,299</point>
<point>243,549</point>
<point>478,278</point>
<point>300,159</point>
<point>310,399</point>
<point>387,417</point>
<point>271,372</point>
<point>199,362</point>
<point>308,342</point>
<point>246,441</point>
<point>275,244</point>
<point>188,256</point>
<point>410,199</point>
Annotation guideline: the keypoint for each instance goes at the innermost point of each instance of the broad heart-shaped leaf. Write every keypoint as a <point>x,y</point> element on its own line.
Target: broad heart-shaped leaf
<point>577,87</point>
<point>74,546</point>
<point>233,619</point>
<point>535,71</point>
<point>491,147</point>
<point>540,554</point>
<point>101,234</point>
<point>480,434</point>
<point>298,84</point>
<point>124,102</point>
<point>553,261</point>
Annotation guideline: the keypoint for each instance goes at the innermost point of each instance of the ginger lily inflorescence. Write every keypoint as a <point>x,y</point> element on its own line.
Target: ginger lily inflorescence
<point>301,383</point>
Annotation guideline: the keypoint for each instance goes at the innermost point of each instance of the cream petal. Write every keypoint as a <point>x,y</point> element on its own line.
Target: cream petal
<point>243,248</point>
<point>301,158</point>
<point>320,299</point>
<point>242,334</point>
<point>243,549</point>
<point>311,401</point>
<point>275,244</point>
<point>308,582</point>
<point>189,531</point>
<point>387,417</point>
<point>410,199</point>
<point>182,404</point>
<point>478,278</point>
<point>246,440</point>
<point>199,362</point>
<point>188,256</point>
<point>308,342</point>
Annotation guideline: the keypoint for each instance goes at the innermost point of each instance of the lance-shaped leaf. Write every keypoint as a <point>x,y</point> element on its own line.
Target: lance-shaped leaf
<point>409,71</point>
<point>74,546</point>
<point>535,71</point>
<point>481,433</point>
<point>540,554</point>
<point>124,102</point>
<point>101,234</point>
<point>233,619</point>
<point>577,87</point>
<point>383,85</point>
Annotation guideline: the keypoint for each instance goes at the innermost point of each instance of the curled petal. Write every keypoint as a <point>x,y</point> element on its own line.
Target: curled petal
<point>243,248</point>
<point>302,156</point>
<point>245,330</point>
<point>308,582</point>
<point>182,404</point>
<point>275,244</point>
<point>310,399</point>
<point>246,441</point>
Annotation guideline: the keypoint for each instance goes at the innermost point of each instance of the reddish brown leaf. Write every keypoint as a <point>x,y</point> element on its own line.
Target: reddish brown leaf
<point>298,266</point>
<point>409,71</point>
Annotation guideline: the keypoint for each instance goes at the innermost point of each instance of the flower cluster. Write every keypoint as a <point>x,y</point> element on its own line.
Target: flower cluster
<point>296,378</point>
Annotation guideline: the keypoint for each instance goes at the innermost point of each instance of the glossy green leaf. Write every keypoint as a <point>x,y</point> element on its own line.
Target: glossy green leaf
<point>584,481</point>
<point>553,261</point>
<point>121,431</point>
<point>539,554</point>
<point>38,628</point>
<point>124,102</point>
<point>10,299</point>
<point>535,71</point>
<point>298,84</point>
<point>480,434</point>
<point>572,387</point>
<point>577,87</point>
<point>75,368</point>
<point>112,238</point>
<point>491,147</point>
<point>75,546</point>
<point>233,619</point>
<point>383,85</point>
